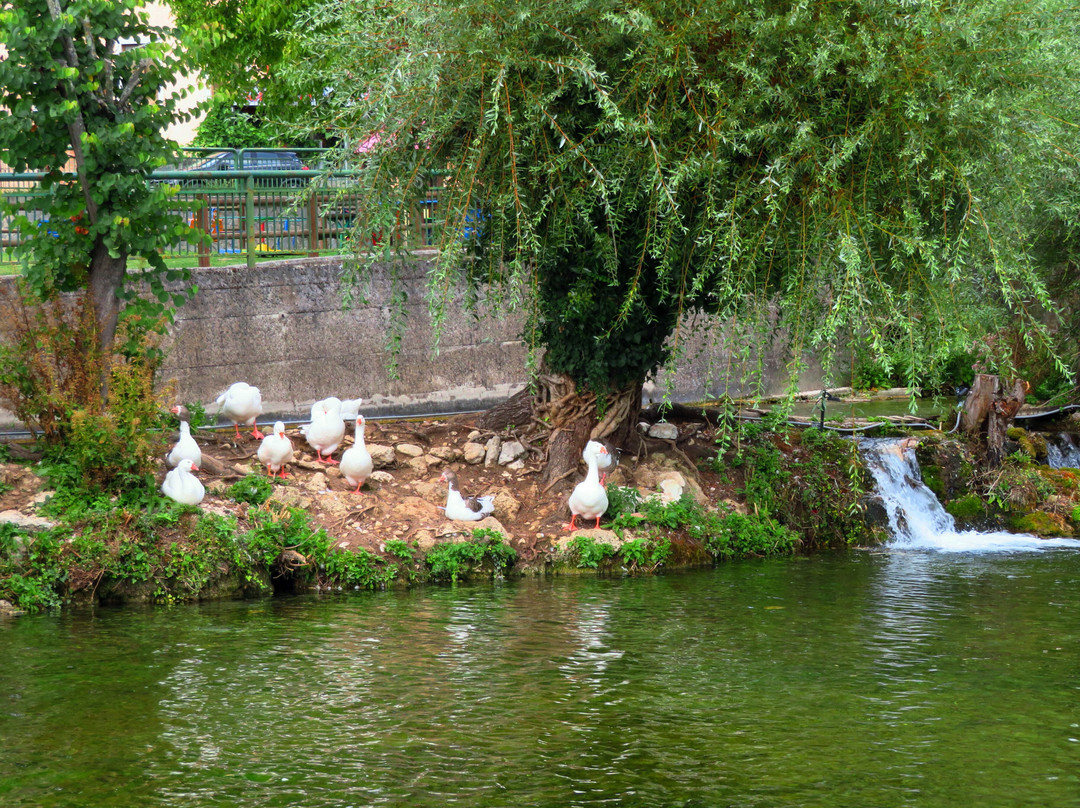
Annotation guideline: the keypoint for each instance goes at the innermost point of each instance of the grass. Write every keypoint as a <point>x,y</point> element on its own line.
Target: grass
<point>191,260</point>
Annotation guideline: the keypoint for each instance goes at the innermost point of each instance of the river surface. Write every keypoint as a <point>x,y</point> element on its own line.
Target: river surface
<point>897,678</point>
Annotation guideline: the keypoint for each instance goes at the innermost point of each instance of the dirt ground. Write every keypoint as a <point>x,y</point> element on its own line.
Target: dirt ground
<point>404,499</point>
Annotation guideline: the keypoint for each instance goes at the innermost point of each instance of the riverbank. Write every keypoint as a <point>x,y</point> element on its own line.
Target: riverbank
<point>696,495</point>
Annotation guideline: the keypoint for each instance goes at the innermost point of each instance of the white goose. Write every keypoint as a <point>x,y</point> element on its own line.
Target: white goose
<point>605,460</point>
<point>276,450</point>
<point>349,408</point>
<point>242,404</point>
<point>185,447</point>
<point>589,499</point>
<point>326,430</point>
<point>356,463</point>
<point>459,508</point>
<point>181,485</point>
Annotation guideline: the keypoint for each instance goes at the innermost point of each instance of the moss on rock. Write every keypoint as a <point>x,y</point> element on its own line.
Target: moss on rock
<point>967,509</point>
<point>1040,523</point>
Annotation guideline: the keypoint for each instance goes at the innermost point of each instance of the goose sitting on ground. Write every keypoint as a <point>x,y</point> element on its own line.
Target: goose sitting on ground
<point>181,485</point>
<point>185,447</point>
<point>242,404</point>
<point>356,463</point>
<point>459,508</point>
<point>326,430</point>
<point>276,450</point>
<point>589,499</point>
<point>606,460</point>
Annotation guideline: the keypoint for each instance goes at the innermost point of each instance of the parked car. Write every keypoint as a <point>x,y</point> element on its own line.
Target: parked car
<point>261,160</point>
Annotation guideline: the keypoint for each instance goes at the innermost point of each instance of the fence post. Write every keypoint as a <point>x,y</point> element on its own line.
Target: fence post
<point>202,218</point>
<point>313,225</point>
<point>249,219</point>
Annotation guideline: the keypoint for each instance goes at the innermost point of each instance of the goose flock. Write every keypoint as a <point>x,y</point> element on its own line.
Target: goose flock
<point>242,404</point>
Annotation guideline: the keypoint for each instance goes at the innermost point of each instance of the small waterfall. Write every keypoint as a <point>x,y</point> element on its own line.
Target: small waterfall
<point>1062,451</point>
<point>916,518</point>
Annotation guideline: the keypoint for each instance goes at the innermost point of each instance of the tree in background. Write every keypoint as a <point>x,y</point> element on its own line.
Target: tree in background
<point>240,45</point>
<point>84,83</point>
<point>227,127</point>
<point>856,172</point>
<point>84,80</point>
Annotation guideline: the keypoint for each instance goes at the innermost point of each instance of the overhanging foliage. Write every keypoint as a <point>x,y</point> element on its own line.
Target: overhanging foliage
<point>873,171</point>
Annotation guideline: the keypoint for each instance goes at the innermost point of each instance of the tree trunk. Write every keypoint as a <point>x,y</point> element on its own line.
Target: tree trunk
<point>566,419</point>
<point>978,402</point>
<point>106,278</point>
<point>574,419</point>
<point>1005,407</point>
<point>990,405</point>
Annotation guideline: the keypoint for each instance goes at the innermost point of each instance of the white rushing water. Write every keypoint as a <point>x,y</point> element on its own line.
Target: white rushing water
<point>916,518</point>
<point>1062,451</point>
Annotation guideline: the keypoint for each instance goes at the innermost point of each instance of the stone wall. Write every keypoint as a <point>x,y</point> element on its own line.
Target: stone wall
<point>282,327</point>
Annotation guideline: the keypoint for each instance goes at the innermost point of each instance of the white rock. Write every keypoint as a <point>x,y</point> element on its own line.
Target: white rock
<point>24,522</point>
<point>410,449</point>
<point>382,477</point>
<point>381,456</point>
<point>510,451</point>
<point>494,446</point>
<point>447,454</point>
<point>664,431</point>
<point>474,453</point>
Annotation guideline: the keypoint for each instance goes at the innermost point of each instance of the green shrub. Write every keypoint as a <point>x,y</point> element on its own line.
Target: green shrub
<point>451,560</point>
<point>734,535</point>
<point>645,552</point>
<point>253,489</point>
<point>622,500</point>
<point>590,552</point>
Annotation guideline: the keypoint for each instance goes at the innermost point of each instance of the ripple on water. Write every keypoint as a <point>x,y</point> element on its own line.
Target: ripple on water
<point>902,678</point>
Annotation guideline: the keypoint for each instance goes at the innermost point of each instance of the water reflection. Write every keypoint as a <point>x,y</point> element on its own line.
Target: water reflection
<point>871,679</point>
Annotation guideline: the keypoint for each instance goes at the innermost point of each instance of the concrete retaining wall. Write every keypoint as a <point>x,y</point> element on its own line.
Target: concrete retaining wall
<point>282,327</point>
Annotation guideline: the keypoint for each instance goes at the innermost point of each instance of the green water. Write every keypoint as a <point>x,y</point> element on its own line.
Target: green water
<point>890,679</point>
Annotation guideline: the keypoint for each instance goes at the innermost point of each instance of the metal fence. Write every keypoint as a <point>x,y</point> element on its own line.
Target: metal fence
<point>249,205</point>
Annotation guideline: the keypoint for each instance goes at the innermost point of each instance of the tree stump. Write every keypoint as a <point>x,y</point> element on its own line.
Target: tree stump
<point>995,405</point>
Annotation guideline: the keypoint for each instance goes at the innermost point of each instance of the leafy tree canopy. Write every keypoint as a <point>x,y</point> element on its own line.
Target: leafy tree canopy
<point>872,170</point>
<point>84,80</point>
<point>239,45</point>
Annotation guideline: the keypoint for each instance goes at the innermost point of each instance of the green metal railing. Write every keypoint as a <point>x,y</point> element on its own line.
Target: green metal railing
<point>250,213</point>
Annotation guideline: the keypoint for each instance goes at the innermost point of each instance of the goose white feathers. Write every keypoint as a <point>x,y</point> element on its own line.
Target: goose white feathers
<point>356,463</point>
<point>276,450</point>
<point>186,447</point>
<point>182,486</point>
<point>606,460</point>
<point>242,404</point>
<point>459,508</point>
<point>589,499</point>
<point>326,429</point>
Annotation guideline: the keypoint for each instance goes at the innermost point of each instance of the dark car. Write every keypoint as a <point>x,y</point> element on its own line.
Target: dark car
<point>261,160</point>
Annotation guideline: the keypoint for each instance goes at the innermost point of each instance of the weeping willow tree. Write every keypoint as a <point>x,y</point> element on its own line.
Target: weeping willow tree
<point>868,168</point>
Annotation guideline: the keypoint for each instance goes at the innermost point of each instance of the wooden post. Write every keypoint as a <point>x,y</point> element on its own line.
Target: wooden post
<point>249,220</point>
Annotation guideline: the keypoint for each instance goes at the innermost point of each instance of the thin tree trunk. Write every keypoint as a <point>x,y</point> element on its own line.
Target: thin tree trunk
<point>106,278</point>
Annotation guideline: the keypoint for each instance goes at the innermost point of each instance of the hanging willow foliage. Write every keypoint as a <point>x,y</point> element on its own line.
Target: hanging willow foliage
<point>866,170</point>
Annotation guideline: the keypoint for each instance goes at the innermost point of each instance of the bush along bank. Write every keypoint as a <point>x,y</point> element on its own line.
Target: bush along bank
<point>712,495</point>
